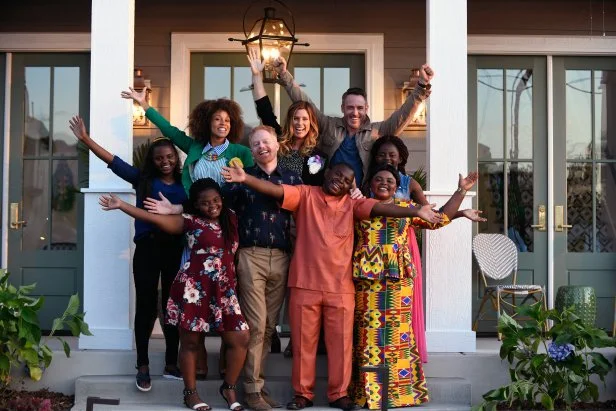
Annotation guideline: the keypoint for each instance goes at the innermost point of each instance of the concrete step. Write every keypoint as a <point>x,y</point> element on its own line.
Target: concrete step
<point>444,392</point>
<point>164,407</point>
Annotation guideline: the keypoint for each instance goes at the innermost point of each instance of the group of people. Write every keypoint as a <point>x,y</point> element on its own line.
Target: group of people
<point>321,207</point>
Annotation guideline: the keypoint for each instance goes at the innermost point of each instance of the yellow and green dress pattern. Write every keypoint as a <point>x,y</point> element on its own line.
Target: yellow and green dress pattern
<point>384,271</point>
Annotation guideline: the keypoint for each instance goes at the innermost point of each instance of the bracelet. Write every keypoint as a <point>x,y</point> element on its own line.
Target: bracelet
<point>461,191</point>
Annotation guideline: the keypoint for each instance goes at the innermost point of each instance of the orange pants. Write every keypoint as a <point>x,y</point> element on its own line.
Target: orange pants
<point>307,308</point>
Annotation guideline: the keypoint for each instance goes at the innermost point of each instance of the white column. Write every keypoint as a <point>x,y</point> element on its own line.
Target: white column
<point>107,244</point>
<point>447,252</point>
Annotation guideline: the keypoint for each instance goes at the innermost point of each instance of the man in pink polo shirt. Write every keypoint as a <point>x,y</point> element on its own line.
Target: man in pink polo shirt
<point>320,273</point>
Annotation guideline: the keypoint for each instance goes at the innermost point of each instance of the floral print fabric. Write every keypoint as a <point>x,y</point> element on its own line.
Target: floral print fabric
<point>203,295</point>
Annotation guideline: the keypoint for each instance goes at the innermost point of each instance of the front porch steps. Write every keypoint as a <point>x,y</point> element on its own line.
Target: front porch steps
<point>451,394</point>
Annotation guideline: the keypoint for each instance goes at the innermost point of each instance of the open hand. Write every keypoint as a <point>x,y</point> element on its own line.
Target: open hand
<point>162,206</point>
<point>426,74</point>
<point>110,202</point>
<point>233,174</point>
<point>356,193</point>
<point>78,128</point>
<point>138,96</point>
<point>428,214</point>
<point>256,65</point>
<point>469,181</point>
<point>473,215</point>
<point>280,65</point>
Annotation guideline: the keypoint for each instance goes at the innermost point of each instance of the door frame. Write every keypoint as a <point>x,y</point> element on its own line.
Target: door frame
<point>547,46</point>
<point>26,42</point>
<point>182,44</point>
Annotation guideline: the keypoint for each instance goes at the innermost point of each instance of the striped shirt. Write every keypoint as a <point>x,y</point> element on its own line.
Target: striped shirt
<point>211,163</point>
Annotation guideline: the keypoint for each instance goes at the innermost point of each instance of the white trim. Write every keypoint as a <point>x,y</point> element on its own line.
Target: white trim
<point>5,159</point>
<point>44,42</point>
<point>542,45</point>
<point>182,44</point>
<point>550,206</point>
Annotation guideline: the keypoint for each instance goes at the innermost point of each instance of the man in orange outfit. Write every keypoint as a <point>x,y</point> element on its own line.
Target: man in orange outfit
<point>320,275</point>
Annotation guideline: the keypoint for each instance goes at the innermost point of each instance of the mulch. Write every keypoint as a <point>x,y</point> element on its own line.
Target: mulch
<point>15,400</point>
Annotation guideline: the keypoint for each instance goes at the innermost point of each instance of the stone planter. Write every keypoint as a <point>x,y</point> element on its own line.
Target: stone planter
<point>582,298</point>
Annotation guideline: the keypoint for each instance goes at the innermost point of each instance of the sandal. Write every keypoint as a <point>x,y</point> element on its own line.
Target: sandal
<point>299,403</point>
<point>143,378</point>
<point>236,406</point>
<point>201,406</point>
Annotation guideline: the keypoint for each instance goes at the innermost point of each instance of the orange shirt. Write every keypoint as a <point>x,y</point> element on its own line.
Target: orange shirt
<point>322,259</point>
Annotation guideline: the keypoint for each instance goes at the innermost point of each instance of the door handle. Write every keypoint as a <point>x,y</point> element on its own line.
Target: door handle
<point>540,219</point>
<point>15,221</point>
<point>559,219</point>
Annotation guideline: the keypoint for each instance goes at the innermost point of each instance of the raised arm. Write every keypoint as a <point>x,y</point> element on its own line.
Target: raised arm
<point>237,175</point>
<point>399,118</point>
<point>256,68</point>
<point>121,168</point>
<point>172,224</point>
<point>426,212</point>
<point>296,93</point>
<point>464,184</point>
<point>177,136</point>
<point>78,128</point>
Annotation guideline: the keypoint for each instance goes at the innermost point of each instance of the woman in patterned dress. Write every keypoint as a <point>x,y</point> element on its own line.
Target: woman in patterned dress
<point>203,296</point>
<point>384,273</point>
<point>392,150</point>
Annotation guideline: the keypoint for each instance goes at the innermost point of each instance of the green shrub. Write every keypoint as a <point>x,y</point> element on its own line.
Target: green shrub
<point>560,373</point>
<point>20,332</point>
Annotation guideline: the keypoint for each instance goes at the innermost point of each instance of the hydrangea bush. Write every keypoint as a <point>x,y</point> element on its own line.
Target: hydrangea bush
<point>552,367</point>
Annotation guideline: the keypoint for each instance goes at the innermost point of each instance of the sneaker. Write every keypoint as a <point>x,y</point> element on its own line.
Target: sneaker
<point>172,373</point>
<point>255,402</point>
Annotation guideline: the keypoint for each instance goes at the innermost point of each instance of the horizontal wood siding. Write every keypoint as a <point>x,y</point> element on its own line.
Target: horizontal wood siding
<point>401,21</point>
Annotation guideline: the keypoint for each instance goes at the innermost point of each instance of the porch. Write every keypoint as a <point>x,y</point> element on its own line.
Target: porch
<point>455,380</point>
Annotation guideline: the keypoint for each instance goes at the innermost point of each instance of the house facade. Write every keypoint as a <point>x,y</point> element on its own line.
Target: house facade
<point>524,92</point>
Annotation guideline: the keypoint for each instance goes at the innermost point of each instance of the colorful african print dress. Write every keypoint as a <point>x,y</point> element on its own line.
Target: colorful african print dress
<point>384,272</point>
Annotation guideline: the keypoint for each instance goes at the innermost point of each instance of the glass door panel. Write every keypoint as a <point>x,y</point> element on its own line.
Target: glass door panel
<point>45,171</point>
<point>507,145</point>
<point>585,177</point>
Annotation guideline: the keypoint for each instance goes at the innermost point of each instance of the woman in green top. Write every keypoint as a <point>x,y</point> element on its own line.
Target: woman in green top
<point>215,125</point>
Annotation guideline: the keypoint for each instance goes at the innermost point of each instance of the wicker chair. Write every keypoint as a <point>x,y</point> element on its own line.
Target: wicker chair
<point>497,257</point>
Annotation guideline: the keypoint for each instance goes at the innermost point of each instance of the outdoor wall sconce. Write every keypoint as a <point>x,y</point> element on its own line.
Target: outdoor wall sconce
<point>139,83</point>
<point>418,122</point>
<point>272,36</point>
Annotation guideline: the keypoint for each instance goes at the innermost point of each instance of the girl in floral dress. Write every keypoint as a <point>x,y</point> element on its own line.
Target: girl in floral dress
<point>202,296</point>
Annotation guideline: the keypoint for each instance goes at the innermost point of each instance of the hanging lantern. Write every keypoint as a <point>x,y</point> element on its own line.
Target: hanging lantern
<point>272,36</point>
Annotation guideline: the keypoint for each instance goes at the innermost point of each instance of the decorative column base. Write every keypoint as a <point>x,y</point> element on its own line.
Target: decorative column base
<point>448,267</point>
<point>107,282</point>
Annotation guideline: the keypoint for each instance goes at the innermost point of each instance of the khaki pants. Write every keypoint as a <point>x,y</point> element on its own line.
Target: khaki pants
<point>307,309</point>
<point>262,279</point>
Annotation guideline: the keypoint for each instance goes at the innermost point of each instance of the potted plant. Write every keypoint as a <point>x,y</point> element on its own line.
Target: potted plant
<point>551,368</point>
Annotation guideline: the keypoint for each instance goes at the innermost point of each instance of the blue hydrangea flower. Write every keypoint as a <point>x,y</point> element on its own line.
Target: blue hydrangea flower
<point>560,352</point>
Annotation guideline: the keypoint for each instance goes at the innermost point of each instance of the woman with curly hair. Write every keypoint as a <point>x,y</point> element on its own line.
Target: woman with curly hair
<point>216,127</point>
<point>298,137</point>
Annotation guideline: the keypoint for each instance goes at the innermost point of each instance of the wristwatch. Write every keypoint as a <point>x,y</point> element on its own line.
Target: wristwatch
<point>461,191</point>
